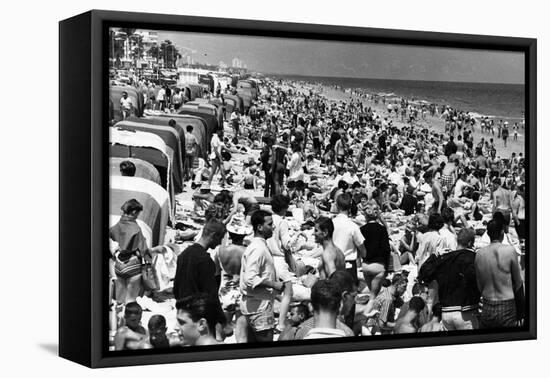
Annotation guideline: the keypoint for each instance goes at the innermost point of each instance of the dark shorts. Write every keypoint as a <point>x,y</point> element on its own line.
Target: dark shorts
<point>351,268</point>
<point>498,314</point>
<point>316,143</point>
<point>520,229</point>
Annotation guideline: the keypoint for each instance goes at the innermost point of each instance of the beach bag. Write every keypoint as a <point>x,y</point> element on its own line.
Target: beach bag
<point>128,262</point>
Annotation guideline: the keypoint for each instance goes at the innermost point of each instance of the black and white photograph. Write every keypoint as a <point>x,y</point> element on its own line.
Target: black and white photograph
<point>266,190</point>
<point>287,188</point>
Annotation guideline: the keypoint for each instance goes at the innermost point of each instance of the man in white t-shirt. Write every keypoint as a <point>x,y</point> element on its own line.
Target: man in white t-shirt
<point>126,105</point>
<point>161,98</point>
<point>347,235</point>
<point>460,185</point>
<point>216,146</point>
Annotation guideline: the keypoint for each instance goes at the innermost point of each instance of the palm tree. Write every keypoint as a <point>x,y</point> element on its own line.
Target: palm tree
<point>137,52</point>
<point>116,48</point>
<point>129,32</point>
<point>169,53</point>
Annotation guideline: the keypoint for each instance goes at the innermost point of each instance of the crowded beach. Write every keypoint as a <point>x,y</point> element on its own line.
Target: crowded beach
<point>253,209</point>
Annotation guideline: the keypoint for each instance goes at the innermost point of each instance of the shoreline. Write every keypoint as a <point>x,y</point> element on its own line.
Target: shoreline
<point>433,123</point>
<point>317,81</point>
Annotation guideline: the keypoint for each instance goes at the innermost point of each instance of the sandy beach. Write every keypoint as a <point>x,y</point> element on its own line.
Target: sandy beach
<point>389,179</point>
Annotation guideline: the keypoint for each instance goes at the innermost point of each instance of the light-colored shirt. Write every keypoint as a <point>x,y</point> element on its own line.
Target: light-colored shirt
<point>428,243</point>
<point>449,240</point>
<point>256,267</point>
<point>324,333</point>
<point>126,103</point>
<point>215,145</point>
<point>280,240</point>
<point>190,143</point>
<point>347,236</point>
<point>296,171</point>
<point>309,324</point>
<point>161,95</point>
<point>177,98</point>
<point>459,186</point>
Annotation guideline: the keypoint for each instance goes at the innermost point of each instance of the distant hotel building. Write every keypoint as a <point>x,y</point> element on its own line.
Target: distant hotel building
<point>237,63</point>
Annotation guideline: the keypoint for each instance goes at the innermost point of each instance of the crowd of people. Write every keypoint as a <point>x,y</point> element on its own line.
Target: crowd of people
<point>346,219</point>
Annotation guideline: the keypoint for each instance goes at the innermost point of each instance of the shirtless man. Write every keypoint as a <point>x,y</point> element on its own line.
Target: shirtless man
<point>435,324</point>
<point>437,193</point>
<point>332,258</point>
<point>230,256</point>
<point>499,281</point>
<point>248,200</point>
<point>481,166</point>
<point>405,324</point>
<point>501,199</point>
<point>132,335</point>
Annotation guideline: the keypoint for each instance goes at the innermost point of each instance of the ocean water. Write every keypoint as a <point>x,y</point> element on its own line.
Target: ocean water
<point>499,101</point>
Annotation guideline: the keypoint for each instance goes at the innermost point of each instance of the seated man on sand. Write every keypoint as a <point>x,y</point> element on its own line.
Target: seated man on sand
<point>157,333</point>
<point>407,322</point>
<point>202,198</point>
<point>132,335</point>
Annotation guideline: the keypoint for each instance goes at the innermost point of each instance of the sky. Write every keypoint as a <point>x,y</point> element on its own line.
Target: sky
<point>345,59</point>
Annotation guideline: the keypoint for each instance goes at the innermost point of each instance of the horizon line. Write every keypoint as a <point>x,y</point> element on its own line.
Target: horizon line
<point>379,78</point>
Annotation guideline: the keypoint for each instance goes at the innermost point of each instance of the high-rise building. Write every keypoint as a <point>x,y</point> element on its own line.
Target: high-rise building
<point>236,63</point>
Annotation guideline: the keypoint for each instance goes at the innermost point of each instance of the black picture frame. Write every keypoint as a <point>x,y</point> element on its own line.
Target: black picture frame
<point>84,193</point>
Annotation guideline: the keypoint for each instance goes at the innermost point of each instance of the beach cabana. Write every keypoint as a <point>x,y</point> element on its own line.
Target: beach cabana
<point>154,198</point>
<point>144,169</point>
<point>211,120</point>
<point>247,97</point>
<point>160,119</point>
<point>230,105</point>
<point>170,137</point>
<point>208,82</point>
<point>115,94</point>
<point>234,80</point>
<point>156,119</point>
<point>145,146</point>
<point>196,91</point>
<point>212,109</point>
<point>239,104</point>
<point>200,130</point>
<point>185,90</point>
<point>249,85</point>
